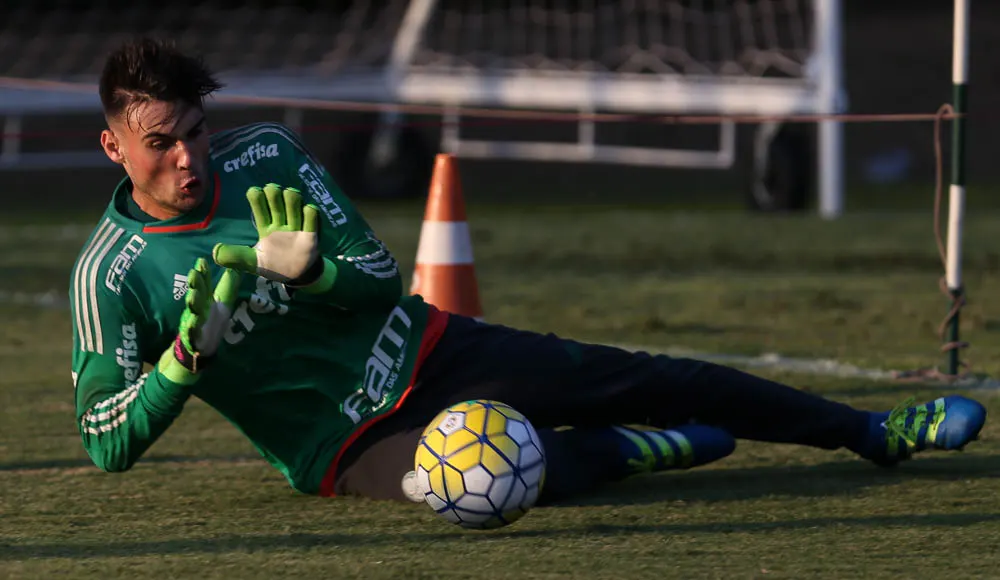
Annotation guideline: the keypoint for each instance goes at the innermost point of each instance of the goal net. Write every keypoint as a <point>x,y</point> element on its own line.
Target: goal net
<point>448,50</point>
<point>714,57</point>
<point>708,38</point>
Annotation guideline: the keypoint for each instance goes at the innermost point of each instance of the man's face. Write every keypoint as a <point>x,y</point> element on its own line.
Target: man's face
<point>163,147</point>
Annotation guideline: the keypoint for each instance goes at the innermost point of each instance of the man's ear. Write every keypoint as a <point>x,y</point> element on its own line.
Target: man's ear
<point>111,147</point>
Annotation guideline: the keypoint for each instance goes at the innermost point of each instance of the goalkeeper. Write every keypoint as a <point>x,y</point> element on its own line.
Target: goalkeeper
<point>296,329</point>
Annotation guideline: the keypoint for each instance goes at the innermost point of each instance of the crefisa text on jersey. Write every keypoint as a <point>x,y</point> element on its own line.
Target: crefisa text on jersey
<point>127,355</point>
<point>250,157</point>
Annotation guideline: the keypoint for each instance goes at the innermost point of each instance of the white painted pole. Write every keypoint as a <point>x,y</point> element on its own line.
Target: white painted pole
<point>829,20</point>
<point>956,194</point>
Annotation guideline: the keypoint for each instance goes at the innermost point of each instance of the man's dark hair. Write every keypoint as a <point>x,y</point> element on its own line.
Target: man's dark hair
<point>148,69</point>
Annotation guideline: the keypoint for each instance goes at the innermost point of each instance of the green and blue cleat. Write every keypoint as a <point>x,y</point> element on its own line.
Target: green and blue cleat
<point>948,423</point>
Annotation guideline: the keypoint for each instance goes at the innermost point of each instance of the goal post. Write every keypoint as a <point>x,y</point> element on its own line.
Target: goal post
<point>669,57</point>
<point>956,193</point>
<point>830,83</point>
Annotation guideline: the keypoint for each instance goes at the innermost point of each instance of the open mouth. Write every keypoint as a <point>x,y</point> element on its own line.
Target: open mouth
<point>190,185</point>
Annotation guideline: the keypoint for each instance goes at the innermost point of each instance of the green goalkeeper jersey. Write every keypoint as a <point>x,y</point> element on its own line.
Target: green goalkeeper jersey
<point>298,374</point>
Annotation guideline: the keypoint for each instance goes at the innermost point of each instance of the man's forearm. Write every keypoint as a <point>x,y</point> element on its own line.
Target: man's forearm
<point>356,282</point>
<point>119,429</point>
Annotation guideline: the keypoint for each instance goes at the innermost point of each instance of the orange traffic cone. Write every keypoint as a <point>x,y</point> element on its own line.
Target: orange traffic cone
<point>445,274</point>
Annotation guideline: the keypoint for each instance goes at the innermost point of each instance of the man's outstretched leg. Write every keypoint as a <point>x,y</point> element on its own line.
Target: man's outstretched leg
<point>379,465</point>
<point>755,408</point>
<point>580,460</point>
<point>557,382</point>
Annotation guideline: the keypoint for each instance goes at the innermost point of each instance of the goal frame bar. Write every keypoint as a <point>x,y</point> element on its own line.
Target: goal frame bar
<point>821,91</point>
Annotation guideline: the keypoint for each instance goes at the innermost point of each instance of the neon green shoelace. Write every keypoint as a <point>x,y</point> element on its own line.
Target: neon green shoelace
<point>896,426</point>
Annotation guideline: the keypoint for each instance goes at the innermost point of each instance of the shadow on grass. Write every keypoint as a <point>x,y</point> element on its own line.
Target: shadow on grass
<point>839,478</point>
<point>836,478</point>
<point>908,520</point>
<point>248,544</point>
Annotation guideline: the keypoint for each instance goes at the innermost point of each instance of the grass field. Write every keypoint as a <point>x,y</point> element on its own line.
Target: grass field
<point>862,290</point>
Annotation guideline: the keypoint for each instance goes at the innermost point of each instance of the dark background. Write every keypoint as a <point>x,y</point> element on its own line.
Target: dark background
<point>897,60</point>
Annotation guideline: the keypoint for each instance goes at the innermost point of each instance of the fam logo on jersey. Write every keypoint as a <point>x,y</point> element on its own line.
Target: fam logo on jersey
<point>322,195</point>
<point>382,368</point>
<point>180,286</point>
<point>251,156</point>
<point>123,261</point>
<point>127,355</point>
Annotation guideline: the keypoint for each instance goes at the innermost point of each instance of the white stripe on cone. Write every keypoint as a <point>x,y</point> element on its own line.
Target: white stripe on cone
<point>444,243</point>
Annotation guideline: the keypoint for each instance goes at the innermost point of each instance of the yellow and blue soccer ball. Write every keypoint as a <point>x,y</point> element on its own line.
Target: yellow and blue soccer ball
<point>480,464</point>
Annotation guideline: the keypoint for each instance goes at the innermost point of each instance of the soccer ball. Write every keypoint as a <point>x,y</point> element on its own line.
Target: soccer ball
<point>480,464</point>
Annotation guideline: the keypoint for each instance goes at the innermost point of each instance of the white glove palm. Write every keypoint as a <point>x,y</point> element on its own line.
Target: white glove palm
<point>288,234</point>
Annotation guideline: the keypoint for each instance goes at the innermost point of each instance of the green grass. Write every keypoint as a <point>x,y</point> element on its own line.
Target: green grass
<point>862,290</point>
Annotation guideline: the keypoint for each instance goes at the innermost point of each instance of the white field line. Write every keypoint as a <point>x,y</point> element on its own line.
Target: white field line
<point>808,366</point>
<point>773,361</point>
<point>48,299</point>
<point>18,235</point>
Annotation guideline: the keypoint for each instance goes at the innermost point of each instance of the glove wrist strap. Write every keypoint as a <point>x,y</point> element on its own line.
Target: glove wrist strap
<point>311,275</point>
<point>191,360</point>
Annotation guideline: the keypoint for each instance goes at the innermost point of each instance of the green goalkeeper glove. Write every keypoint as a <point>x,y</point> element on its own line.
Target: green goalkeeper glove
<point>287,250</point>
<point>204,321</point>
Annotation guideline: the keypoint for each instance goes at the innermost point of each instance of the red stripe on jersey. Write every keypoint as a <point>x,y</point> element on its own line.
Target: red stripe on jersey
<point>437,320</point>
<point>190,227</point>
